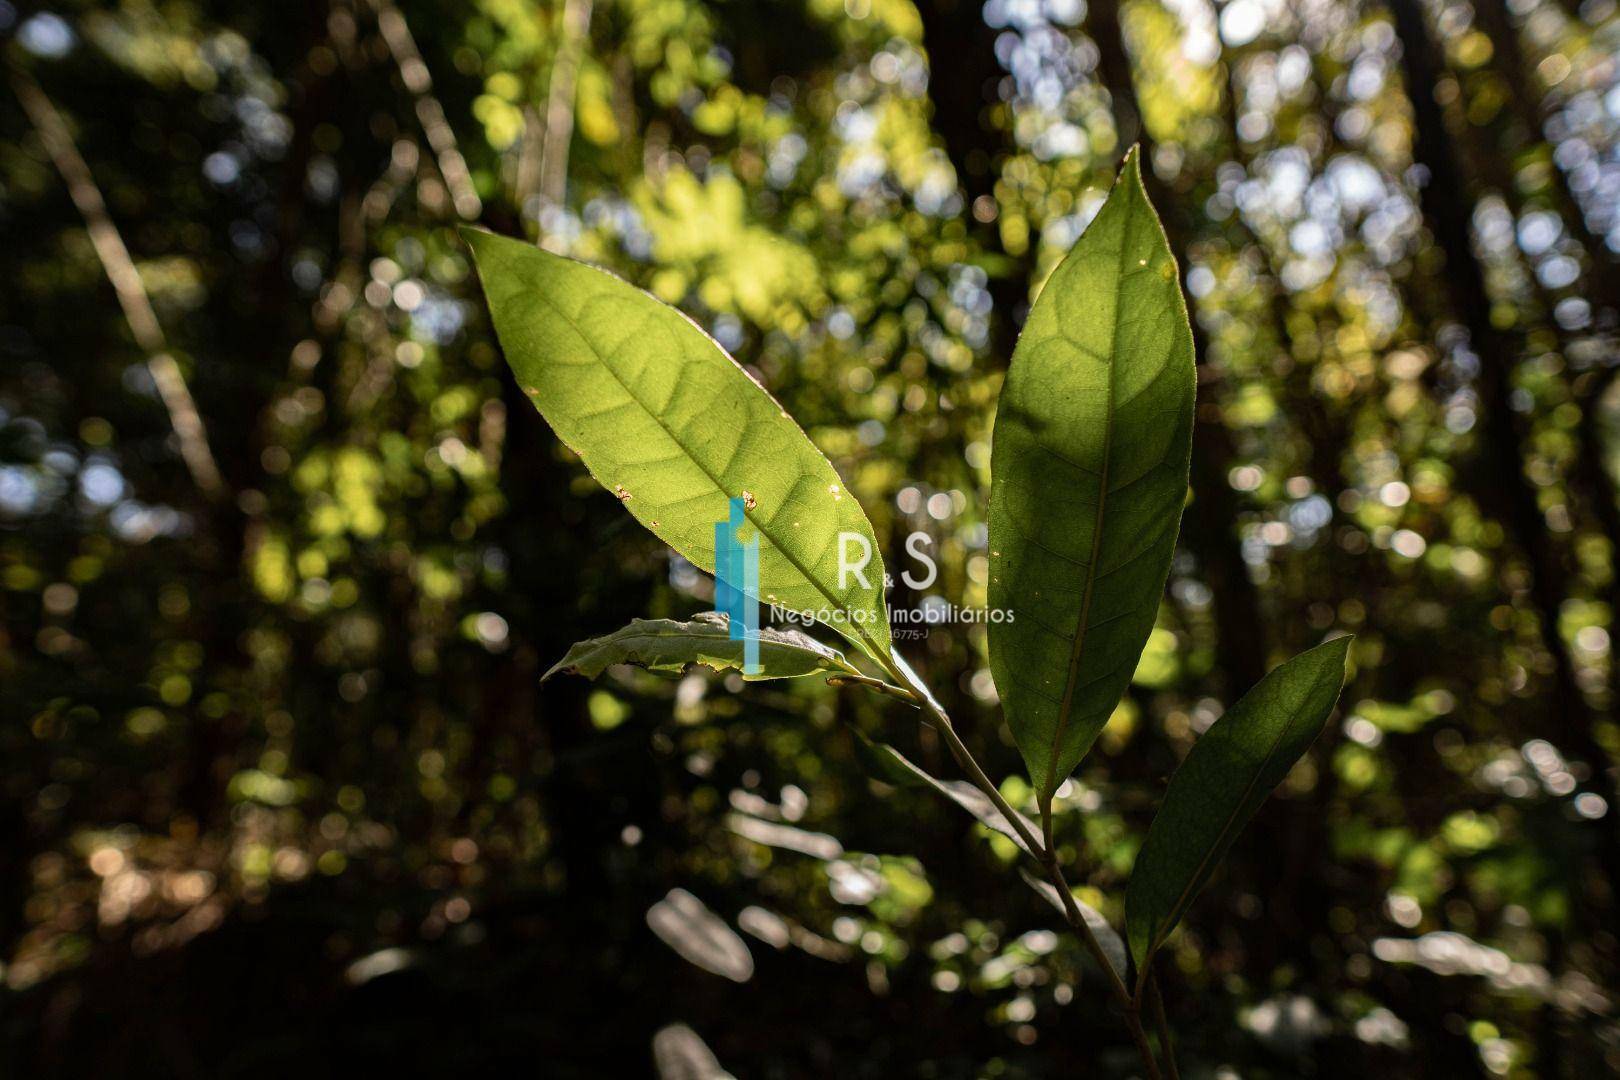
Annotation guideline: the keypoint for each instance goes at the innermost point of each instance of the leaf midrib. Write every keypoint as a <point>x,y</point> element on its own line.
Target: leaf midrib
<point>578,329</point>
<point>1066,707</point>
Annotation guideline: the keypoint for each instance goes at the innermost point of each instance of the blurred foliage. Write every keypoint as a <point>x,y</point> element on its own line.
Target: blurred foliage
<point>278,781</point>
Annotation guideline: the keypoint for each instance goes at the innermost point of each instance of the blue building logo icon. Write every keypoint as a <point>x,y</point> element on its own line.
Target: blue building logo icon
<point>736,583</point>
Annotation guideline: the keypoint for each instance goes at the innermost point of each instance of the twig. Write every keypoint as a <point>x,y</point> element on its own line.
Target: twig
<point>126,282</point>
<point>526,183</point>
<point>878,685</point>
<point>576,23</point>
<point>414,71</point>
<point>1071,911</point>
<point>1162,1023</point>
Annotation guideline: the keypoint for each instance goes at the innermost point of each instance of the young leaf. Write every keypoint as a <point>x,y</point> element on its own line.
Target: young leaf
<point>887,764</point>
<point>1113,946</point>
<point>667,647</point>
<point>673,426</point>
<point>1224,779</point>
<point>1088,475</point>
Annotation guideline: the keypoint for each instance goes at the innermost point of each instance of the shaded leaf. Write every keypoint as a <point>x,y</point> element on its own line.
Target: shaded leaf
<point>1224,779</point>
<point>667,647</point>
<point>1113,946</point>
<point>670,423</point>
<point>701,937</point>
<point>883,762</point>
<point>1093,435</point>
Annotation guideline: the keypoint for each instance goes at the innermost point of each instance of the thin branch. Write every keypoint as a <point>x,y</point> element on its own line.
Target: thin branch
<point>414,71</point>
<point>357,223</point>
<point>526,183</point>
<point>126,282</point>
<point>1071,911</point>
<point>1161,1022</point>
<point>877,685</point>
<point>576,23</point>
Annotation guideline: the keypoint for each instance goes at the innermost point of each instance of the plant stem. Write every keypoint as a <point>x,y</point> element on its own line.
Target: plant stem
<point>963,758</point>
<point>878,685</point>
<point>1133,1022</point>
<point>1042,851</point>
<point>1071,911</point>
<point>1116,982</point>
<point>1162,1023</point>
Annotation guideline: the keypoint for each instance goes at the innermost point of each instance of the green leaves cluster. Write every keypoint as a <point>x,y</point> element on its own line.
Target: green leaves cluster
<point>1092,444</point>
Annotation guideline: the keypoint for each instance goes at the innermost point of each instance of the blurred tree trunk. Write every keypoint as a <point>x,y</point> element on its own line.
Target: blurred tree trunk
<point>1502,487</point>
<point>1298,895</point>
<point>1602,280</point>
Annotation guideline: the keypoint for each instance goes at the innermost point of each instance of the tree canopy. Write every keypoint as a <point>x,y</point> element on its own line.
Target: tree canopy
<point>285,551</point>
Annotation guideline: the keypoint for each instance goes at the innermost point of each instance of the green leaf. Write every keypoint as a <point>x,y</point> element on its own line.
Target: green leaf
<point>668,647</point>
<point>883,762</point>
<point>671,424</point>
<point>1224,779</point>
<point>1093,436</point>
<point>1113,946</point>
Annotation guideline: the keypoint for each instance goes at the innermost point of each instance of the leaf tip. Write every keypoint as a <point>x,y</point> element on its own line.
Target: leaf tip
<point>1337,648</point>
<point>485,244</point>
<point>1131,165</point>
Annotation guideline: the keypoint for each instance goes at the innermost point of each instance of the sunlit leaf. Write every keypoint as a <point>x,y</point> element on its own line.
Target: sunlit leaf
<point>671,424</point>
<point>1113,946</point>
<point>1224,779</point>
<point>883,762</point>
<point>685,924</point>
<point>667,647</point>
<point>1089,472</point>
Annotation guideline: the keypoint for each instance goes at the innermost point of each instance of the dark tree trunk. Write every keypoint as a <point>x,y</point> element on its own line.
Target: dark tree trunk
<point>1591,473</point>
<point>1500,485</point>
